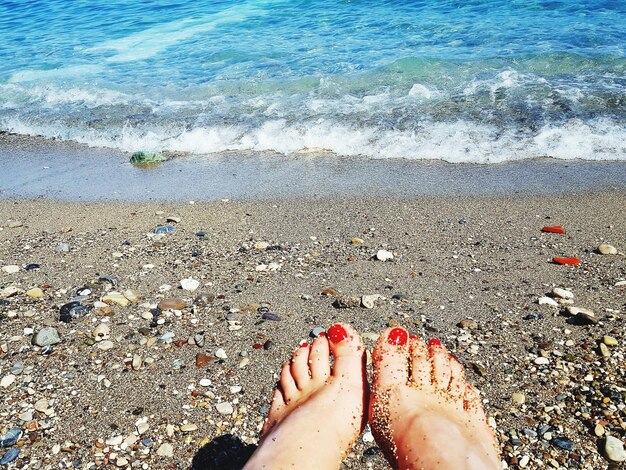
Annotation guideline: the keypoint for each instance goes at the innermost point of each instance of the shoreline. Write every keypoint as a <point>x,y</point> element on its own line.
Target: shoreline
<point>40,168</point>
<point>482,258</point>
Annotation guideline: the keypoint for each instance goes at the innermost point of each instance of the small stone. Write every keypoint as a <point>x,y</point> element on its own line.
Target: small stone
<point>10,456</point>
<point>189,284</point>
<point>41,405</point>
<point>132,296</point>
<point>173,218</point>
<point>317,331</point>
<point>165,450</point>
<point>368,437</point>
<point>101,332</point>
<point>261,246</point>
<point>10,291</point>
<point>142,427</point>
<point>172,304</point>
<point>205,382</point>
<point>468,324</point>
<point>609,340</point>
<point>518,398</point>
<point>384,255</point>
<point>224,408</point>
<point>115,440</point>
<point>202,360</point>
<point>542,361</point>
<point>547,301</point>
<point>357,241</point>
<point>137,362</point>
<point>63,247</point>
<point>598,430</point>
<point>562,293</point>
<point>35,293</point>
<point>13,223</point>
<point>368,301</point>
<point>10,438</point>
<point>121,461</point>
<point>105,345</point>
<point>347,302</point>
<point>221,353</point>
<point>563,443</point>
<point>115,298</point>
<point>244,362</point>
<point>46,337</point>
<point>188,428</point>
<point>7,381</point>
<point>614,449</point>
<point>604,350</point>
<point>606,249</point>
<point>11,269</point>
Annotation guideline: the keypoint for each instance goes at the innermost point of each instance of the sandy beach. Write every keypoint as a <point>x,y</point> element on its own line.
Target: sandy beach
<point>163,389</point>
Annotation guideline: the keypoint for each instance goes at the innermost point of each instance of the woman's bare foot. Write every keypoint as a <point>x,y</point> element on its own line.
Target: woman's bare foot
<point>422,412</point>
<point>318,411</point>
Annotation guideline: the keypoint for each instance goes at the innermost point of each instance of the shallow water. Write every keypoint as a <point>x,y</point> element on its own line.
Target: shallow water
<point>472,81</point>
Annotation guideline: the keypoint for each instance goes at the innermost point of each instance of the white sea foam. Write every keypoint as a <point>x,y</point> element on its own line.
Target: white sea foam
<point>455,142</point>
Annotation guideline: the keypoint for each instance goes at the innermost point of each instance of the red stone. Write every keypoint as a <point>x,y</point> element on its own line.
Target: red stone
<point>571,261</point>
<point>202,360</point>
<point>179,343</point>
<point>554,229</point>
<point>257,346</point>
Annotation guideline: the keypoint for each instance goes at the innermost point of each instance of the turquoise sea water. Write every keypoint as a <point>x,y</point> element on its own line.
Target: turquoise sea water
<point>463,81</point>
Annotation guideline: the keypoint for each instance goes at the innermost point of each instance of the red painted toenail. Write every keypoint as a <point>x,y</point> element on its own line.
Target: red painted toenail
<point>304,345</point>
<point>413,337</point>
<point>434,342</point>
<point>322,334</point>
<point>397,337</point>
<point>337,333</point>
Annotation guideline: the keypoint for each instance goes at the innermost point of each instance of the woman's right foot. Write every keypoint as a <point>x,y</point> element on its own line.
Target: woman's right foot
<point>423,413</point>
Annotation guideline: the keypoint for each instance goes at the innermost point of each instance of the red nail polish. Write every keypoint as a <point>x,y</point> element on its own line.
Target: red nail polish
<point>304,345</point>
<point>322,334</point>
<point>337,333</point>
<point>413,337</point>
<point>397,337</point>
<point>434,342</point>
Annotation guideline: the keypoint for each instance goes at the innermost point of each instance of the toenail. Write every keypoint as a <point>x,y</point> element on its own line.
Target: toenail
<point>434,342</point>
<point>413,337</point>
<point>397,337</point>
<point>304,345</point>
<point>322,334</point>
<point>337,333</point>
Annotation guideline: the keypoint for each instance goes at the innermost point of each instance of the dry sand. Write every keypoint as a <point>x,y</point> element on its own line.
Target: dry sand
<point>455,258</point>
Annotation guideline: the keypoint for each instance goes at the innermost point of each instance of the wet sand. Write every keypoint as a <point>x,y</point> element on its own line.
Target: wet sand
<point>470,256</point>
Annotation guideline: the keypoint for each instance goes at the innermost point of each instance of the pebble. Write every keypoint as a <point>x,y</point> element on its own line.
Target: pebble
<point>614,449</point>
<point>547,301</point>
<point>11,269</point>
<point>189,284</point>
<point>172,304</point>
<point>541,361</point>
<point>10,438</point>
<point>562,293</point>
<point>261,246</point>
<point>105,345</point>
<point>114,441</point>
<point>165,450</point>
<point>10,456</point>
<point>116,298</point>
<point>518,398</point>
<point>35,293</point>
<point>606,249</point>
<point>101,332</point>
<point>317,331</point>
<point>205,382</point>
<point>224,408</point>
<point>468,324</point>
<point>604,350</point>
<point>573,311</point>
<point>524,461</point>
<point>347,302</point>
<point>46,337</point>
<point>384,255</point>
<point>10,291</point>
<point>598,430</point>
<point>173,218</point>
<point>609,340</point>
<point>71,310</point>
<point>41,405</point>
<point>563,443</point>
<point>368,301</point>
<point>188,428</point>
<point>63,247</point>
<point>202,360</point>
<point>221,353</point>
<point>137,362</point>
<point>164,229</point>
<point>357,241</point>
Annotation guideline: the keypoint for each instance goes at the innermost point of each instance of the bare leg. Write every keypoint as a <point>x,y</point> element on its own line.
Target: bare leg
<point>318,411</point>
<point>423,413</point>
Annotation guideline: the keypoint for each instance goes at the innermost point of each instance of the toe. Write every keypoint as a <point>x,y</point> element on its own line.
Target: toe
<point>276,410</point>
<point>472,401</point>
<point>287,384</point>
<point>390,358</point>
<point>420,362</point>
<point>319,359</point>
<point>347,349</point>
<point>440,360</point>
<point>457,386</point>
<point>300,366</point>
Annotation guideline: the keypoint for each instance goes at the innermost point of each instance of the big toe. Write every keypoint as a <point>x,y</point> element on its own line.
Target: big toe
<point>391,359</point>
<point>347,348</point>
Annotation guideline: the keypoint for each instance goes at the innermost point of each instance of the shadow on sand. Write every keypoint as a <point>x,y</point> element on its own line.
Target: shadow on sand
<point>226,452</point>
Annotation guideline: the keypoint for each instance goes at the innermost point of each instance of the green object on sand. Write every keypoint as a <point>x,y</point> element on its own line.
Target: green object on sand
<point>146,158</point>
